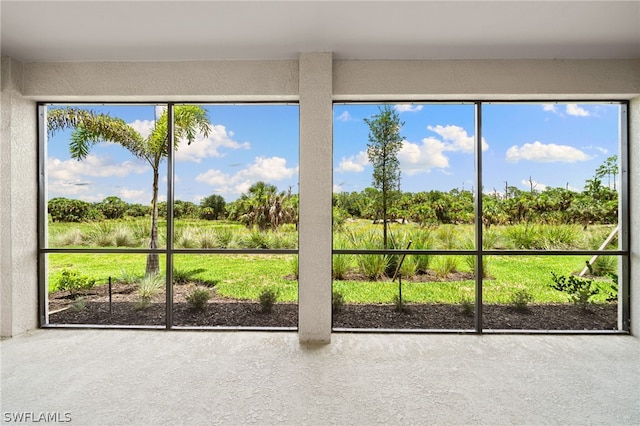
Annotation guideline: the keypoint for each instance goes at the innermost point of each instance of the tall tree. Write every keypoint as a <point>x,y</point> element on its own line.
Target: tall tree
<point>382,150</point>
<point>609,168</point>
<point>90,128</point>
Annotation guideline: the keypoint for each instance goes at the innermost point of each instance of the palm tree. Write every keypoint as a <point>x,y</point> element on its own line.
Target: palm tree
<point>90,128</point>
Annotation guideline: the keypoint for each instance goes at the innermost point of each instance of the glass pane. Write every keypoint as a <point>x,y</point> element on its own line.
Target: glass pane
<point>550,175</point>
<point>236,183</point>
<point>104,289</point>
<point>235,290</point>
<point>551,293</point>
<point>410,164</point>
<point>101,165</point>
<point>429,292</point>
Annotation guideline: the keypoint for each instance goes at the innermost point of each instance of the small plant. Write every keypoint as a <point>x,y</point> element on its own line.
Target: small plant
<point>520,300</point>
<point>445,266</point>
<point>79,305</point>
<point>468,306</point>
<point>224,237</point>
<point>373,266</point>
<point>148,287</point>
<point>74,282</point>
<point>579,290</point>
<point>198,298</point>
<point>123,237</point>
<point>295,266</point>
<point>337,301</point>
<point>603,266</point>
<point>267,298</point>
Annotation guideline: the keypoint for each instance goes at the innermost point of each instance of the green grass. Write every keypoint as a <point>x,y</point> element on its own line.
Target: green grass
<point>246,276</point>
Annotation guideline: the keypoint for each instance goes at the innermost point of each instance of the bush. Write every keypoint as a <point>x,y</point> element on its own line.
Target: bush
<point>198,298</point>
<point>267,298</point>
<point>73,282</point>
<point>148,287</point>
<point>579,290</point>
<point>520,300</point>
<point>66,210</point>
<point>468,305</point>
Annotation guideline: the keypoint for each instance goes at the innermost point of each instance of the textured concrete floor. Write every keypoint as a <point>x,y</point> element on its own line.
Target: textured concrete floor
<point>112,377</point>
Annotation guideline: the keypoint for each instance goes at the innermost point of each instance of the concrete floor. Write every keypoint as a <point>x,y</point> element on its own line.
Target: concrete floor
<point>121,377</point>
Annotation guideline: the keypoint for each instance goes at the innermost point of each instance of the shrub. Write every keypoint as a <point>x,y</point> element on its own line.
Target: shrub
<point>71,237</point>
<point>337,301</point>
<point>224,236</point>
<point>373,266</point>
<point>525,237</point>
<point>256,239</point>
<point>604,266</point>
<point>579,290</point>
<point>467,304</point>
<point>520,300</point>
<point>148,287</point>
<point>198,298</point>
<point>66,210</point>
<point>123,237</point>
<point>445,266</point>
<point>267,298</point>
<point>185,238</point>
<point>73,282</point>
<point>207,239</point>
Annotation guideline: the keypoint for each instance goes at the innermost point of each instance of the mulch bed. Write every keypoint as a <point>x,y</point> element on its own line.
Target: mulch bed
<point>221,312</point>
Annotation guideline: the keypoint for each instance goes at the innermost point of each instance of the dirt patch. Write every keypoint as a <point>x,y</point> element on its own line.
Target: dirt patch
<point>124,309</point>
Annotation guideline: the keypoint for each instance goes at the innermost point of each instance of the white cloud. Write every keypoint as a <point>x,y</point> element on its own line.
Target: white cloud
<point>144,127</point>
<point>545,153</point>
<point>408,108</point>
<point>345,116</point>
<point>203,147</point>
<point>133,195</point>
<point>267,169</point>
<point>94,166</point>
<point>355,163</point>
<point>416,158</point>
<point>214,177</point>
<point>457,138</point>
<point>575,110</point>
<point>550,108</point>
<point>337,188</point>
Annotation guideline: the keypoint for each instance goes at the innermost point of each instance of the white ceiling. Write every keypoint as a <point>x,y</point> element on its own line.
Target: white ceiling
<point>40,31</point>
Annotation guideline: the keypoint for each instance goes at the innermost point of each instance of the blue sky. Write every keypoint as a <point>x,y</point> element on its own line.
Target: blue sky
<point>557,145</point>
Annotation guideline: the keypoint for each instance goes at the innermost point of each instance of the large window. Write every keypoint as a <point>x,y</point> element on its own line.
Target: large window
<point>543,248</point>
<point>169,215</point>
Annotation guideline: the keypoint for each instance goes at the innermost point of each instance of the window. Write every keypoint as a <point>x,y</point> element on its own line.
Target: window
<point>544,248</point>
<point>134,233</point>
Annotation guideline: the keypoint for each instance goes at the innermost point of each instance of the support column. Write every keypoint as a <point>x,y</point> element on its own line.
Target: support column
<point>18,209</point>
<point>316,187</point>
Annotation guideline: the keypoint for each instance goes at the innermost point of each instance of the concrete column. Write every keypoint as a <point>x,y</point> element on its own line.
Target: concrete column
<point>315,220</point>
<point>18,212</point>
<point>634,219</point>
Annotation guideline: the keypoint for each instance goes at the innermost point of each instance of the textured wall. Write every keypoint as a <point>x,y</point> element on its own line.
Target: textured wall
<point>18,209</point>
<point>634,220</point>
<point>316,188</point>
<point>315,80</point>
<point>482,79</point>
<point>164,81</point>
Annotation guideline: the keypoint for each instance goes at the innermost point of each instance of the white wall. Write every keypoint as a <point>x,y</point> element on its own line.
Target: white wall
<point>18,205</point>
<point>313,80</point>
